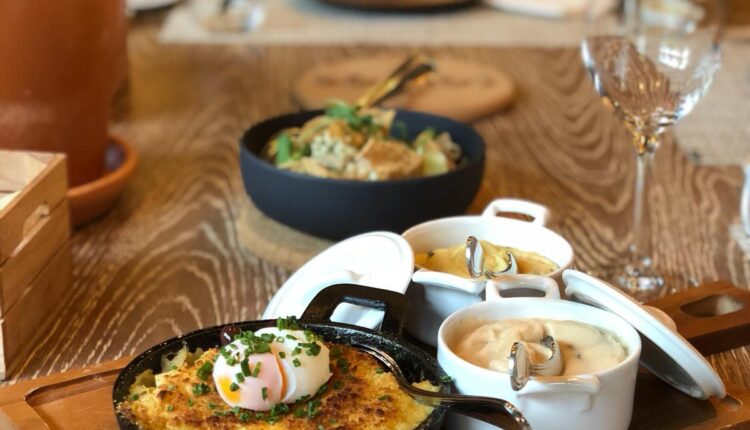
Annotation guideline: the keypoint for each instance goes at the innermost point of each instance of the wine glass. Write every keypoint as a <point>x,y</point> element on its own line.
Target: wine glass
<point>651,62</point>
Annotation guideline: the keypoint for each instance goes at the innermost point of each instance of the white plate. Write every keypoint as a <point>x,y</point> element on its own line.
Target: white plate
<point>379,259</point>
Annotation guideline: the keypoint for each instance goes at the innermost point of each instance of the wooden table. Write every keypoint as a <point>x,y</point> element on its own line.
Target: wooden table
<point>167,260</point>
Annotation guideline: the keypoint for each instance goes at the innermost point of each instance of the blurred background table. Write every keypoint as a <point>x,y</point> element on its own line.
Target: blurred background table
<point>167,259</point>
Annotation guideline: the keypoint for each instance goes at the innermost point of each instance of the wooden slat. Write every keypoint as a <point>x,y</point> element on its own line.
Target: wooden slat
<point>46,189</point>
<point>42,242</point>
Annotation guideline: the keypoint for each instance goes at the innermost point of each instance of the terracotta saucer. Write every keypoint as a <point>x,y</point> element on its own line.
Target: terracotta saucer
<point>91,200</point>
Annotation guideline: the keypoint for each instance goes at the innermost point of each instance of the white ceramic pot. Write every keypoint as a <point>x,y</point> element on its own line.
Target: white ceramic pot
<point>601,400</point>
<point>435,295</point>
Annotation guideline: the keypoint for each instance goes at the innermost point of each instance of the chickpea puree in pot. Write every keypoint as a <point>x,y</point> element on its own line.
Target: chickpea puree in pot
<point>584,348</point>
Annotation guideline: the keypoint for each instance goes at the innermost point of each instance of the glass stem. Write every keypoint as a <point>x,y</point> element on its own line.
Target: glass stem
<point>640,249</point>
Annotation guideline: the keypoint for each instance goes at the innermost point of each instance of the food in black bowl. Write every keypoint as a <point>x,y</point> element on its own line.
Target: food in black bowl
<point>433,167</point>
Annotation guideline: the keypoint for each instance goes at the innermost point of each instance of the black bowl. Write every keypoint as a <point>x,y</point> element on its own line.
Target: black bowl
<point>336,208</point>
<point>416,364</point>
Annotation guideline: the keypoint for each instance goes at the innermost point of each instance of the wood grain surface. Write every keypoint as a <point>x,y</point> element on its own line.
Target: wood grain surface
<point>166,260</point>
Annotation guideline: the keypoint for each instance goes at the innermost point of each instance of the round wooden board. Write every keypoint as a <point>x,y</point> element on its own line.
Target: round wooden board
<point>399,4</point>
<point>273,241</point>
<point>459,89</point>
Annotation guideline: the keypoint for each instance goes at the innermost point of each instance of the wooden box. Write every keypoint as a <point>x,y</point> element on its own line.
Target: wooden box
<point>35,260</point>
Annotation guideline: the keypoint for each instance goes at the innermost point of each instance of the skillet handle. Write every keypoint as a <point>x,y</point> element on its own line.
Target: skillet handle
<point>394,305</point>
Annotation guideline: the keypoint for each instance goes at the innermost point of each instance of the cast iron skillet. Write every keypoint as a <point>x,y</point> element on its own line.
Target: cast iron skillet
<point>338,209</point>
<point>415,363</point>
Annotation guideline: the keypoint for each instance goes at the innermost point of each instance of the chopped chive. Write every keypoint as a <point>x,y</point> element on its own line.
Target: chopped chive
<point>199,389</point>
<point>282,354</point>
<point>264,393</point>
<point>296,362</point>
<point>256,370</point>
<point>233,386</point>
<point>205,370</point>
<point>245,367</point>
<point>240,377</point>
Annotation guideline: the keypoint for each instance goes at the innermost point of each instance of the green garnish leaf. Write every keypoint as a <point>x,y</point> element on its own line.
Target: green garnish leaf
<point>264,393</point>
<point>283,149</point>
<point>204,372</point>
<point>256,369</point>
<point>245,367</point>
<point>200,389</point>
<point>342,364</point>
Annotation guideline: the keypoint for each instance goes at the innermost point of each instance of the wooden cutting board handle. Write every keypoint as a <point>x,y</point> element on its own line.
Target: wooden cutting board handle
<point>714,317</point>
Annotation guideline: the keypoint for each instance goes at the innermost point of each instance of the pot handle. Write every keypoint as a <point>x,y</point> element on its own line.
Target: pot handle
<point>520,284</point>
<point>584,384</point>
<point>539,212</point>
<point>393,304</point>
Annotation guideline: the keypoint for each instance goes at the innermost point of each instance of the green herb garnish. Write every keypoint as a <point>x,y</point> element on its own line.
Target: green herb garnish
<point>200,389</point>
<point>204,372</point>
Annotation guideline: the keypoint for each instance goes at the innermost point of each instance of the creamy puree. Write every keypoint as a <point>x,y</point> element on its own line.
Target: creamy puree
<point>453,260</point>
<point>585,348</point>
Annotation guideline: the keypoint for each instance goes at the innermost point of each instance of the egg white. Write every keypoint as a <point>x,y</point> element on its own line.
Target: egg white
<point>313,370</point>
<point>249,394</point>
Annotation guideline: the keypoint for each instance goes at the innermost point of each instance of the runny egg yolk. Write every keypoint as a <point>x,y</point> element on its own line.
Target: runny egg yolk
<point>224,385</point>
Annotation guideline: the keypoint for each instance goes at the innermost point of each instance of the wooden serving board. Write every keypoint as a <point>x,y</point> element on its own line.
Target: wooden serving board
<point>81,399</point>
<point>714,317</point>
<point>459,89</point>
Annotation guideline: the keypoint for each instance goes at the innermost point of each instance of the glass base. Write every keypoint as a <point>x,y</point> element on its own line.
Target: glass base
<point>642,285</point>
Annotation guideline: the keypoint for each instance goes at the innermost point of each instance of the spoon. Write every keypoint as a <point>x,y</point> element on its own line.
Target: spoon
<point>475,261</point>
<point>490,410</point>
<point>416,67</point>
<point>521,368</point>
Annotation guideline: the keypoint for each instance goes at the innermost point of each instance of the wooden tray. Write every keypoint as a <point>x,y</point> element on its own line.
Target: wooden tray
<point>81,399</point>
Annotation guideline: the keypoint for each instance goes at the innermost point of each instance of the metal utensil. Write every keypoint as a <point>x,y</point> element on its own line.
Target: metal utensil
<point>521,368</point>
<point>490,410</point>
<point>475,261</point>
<point>416,67</point>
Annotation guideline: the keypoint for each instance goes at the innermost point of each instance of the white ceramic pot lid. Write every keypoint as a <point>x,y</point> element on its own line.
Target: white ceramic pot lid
<point>665,352</point>
<point>378,259</point>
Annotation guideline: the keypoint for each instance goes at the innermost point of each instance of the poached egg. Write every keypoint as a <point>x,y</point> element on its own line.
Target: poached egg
<point>271,366</point>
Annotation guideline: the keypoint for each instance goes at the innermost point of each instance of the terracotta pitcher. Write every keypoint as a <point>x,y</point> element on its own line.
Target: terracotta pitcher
<point>61,64</point>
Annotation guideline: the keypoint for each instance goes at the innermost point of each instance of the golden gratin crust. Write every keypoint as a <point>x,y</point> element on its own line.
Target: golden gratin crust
<point>359,396</point>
